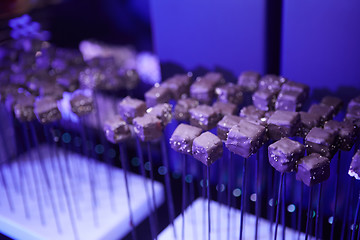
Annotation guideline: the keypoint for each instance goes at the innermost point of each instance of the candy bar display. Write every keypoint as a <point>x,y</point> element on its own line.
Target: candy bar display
<point>101,144</point>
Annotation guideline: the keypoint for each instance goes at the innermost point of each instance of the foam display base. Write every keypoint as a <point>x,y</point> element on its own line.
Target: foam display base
<point>196,224</point>
<point>112,213</point>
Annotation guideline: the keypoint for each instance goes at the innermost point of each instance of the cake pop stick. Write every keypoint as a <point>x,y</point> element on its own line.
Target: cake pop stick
<point>45,174</point>
<point>354,171</point>
<point>168,185</point>
<point>6,187</point>
<point>283,208</point>
<point>318,212</point>
<point>346,213</point>
<point>207,148</point>
<point>230,187</point>
<point>258,191</point>
<point>335,196</point>
<point>245,139</point>
<point>182,138</point>
<point>184,193</point>
<point>278,205</point>
<point>163,112</point>
<point>125,167</point>
<point>117,131</point>
<point>308,219</point>
<point>82,104</point>
<point>283,156</point>
<point>355,220</point>
<point>312,169</point>
<point>300,211</point>
<point>150,206</point>
<point>243,198</point>
<point>94,103</point>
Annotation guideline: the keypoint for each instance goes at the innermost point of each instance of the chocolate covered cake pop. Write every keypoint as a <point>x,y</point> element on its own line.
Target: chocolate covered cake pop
<point>325,112</point>
<point>204,117</point>
<point>354,170</point>
<point>254,115</point>
<point>289,100</point>
<point>162,111</point>
<point>203,89</point>
<point>307,122</point>
<point>156,95</point>
<point>46,110</point>
<point>130,108</point>
<point>355,102</point>
<point>229,93</point>
<point>283,124</point>
<point>225,108</point>
<point>320,141</point>
<point>182,138</point>
<point>225,124</point>
<point>249,81</point>
<point>207,148</point>
<point>245,138</point>
<point>264,99</point>
<point>182,108</point>
<point>81,103</point>
<point>178,85</point>
<point>313,169</point>
<point>116,130</point>
<point>334,102</point>
<point>147,128</point>
<point>302,89</point>
<point>285,154</point>
<point>271,82</point>
<point>24,108</point>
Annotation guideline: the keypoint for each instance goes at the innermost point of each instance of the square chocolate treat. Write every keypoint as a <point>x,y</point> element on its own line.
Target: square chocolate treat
<point>81,103</point>
<point>203,89</point>
<point>251,112</point>
<point>182,138</point>
<point>325,112</point>
<point>182,108</point>
<point>116,129</point>
<point>163,112</point>
<point>264,99</point>
<point>214,78</point>
<point>271,82</point>
<point>285,154</point>
<point>178,85</point>
<point>307,122</point>
<point>355,102</point>
<point>334,102</point>
<point>321,141</point>
<point>313,169</point>
<point>225,108</point>
<point>283,124</point>
<point>130,108</point>
<point>354,170</point>
<point>347,134</point>
<point>245,138</point>
<point>204,117</point>
<point>353,112</point>
<point>130,78</point>
<point>254,115</point>
<point>229,92</point>
<point>156,95</point>
<point>297,87</point>
<point>147,128</point>
<point>24,108</point>
<point>289,101</point>
<point>207,148</point>
<point>249,81</point>
<point>46,110</point>
<point>226,123</point>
